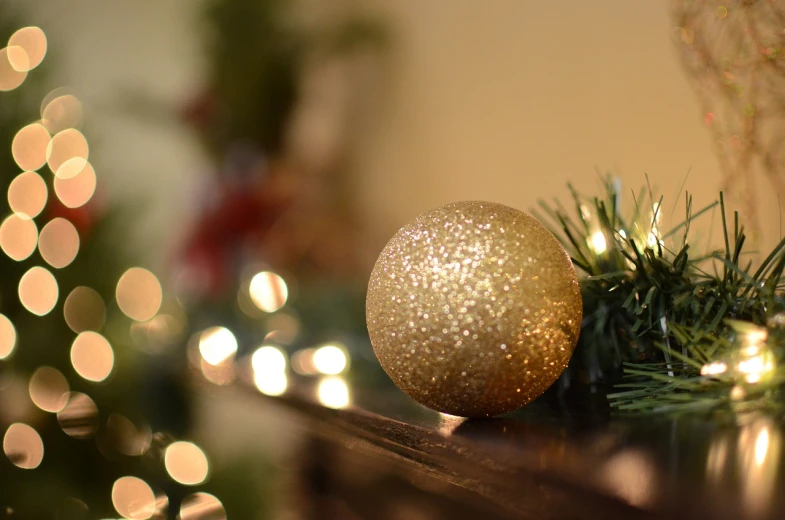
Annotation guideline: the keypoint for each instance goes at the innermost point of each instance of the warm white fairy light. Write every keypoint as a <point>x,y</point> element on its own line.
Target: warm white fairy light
<point>330,359</point>
<point>274,383</point>
<point>756,337</point>
<point>714,369</point>
<point>267,360</point>
<point>758,360</point>
<point>752,362</point>
<point>653,238</point>
<point>217,344</point>
<point>597,243</point>
<point>268,291</point>
<point>333,392</point>
<point>269,370</point>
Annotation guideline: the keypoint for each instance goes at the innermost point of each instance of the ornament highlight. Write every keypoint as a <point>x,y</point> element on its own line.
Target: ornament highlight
<point>474,309</point>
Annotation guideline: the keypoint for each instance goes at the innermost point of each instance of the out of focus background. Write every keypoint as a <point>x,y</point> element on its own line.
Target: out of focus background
<point>215,179</point>
<point>505,103</point>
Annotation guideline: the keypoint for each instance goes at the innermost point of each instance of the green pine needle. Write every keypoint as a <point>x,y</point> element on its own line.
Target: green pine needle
<point>654,315</point>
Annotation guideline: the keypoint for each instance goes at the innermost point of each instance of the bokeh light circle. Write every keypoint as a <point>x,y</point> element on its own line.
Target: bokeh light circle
<point>33,41</point>
<point>76,191</point>
<point>30,145</point>
<point>268,291</point>
<point>79,416</point>
<point>48,389</point>
<point>268,359</point>
<point>333,392</point>
<point>202,506</point>
<point>7,337</point>
<point>217,344</point>
<point>61,113</point>
<point>67,153</point>
<point>27,195</point>
<point>133,498</point>
<point>186,463</point>
<point>58,242</point>
<point>139,294</point>
<point>269,370</point>
<point>271,383</point>
<point>18,58</point>
<point>92,356</point>
<point>18,237</point>
<point>38,291</point>
<point>84,309</point>
<point>330,360</point>
<point>23,446</point>
<point>10,78</point>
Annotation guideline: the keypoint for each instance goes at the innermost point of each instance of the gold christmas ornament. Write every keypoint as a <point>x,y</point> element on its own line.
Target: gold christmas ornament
<point>474,309</point>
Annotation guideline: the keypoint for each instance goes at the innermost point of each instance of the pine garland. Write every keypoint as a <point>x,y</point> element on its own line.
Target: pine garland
<point>667,331</point>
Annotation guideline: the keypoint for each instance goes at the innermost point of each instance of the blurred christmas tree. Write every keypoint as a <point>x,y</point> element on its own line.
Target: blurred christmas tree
<point>79,403</point>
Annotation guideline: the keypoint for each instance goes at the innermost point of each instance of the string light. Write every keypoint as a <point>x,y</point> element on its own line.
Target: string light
<point>273,384</point>
<point>333,392</point>
<point>330,360</point>
<point>751,362</point>
<point>269,370</point>
<point>714,368</point>
<point>217,344</point>
<point>268,291</point>
<point>754,359</point>
<point>267,360</point>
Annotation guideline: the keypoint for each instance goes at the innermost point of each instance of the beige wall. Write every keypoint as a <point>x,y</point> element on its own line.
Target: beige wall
<point>508,100</point>
<point>503,100</point>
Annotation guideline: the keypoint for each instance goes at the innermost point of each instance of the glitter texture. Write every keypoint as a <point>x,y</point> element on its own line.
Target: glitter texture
<point>474,309</point>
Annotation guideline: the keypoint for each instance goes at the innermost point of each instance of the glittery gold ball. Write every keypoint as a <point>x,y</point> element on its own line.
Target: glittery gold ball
<point>474,309</point>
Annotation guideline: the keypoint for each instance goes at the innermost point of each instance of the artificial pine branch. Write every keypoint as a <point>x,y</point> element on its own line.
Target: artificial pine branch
<point>654,315</point>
